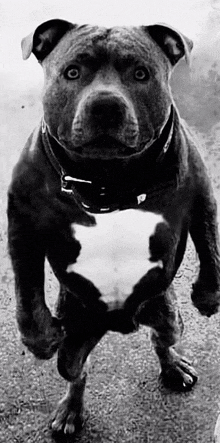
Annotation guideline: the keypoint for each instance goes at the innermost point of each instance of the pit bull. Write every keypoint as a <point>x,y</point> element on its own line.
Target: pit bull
<point>107,188</point>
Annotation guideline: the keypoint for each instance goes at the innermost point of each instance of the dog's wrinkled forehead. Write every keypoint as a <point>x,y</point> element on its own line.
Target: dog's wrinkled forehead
<point>113,45</point>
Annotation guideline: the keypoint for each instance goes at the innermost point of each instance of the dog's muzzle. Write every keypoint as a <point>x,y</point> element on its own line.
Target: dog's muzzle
<point>107,115</point>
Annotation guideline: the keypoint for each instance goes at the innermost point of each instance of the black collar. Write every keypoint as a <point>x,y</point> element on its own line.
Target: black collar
<point>97,194</point>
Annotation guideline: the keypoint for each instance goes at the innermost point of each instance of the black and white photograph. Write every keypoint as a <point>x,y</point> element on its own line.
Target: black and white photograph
<point>110,221</point>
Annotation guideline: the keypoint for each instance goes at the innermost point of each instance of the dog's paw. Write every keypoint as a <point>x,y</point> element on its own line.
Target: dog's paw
<point>44,341</point>
<point>205,301</point>
<point>178,374</point>
<point>66,420</point>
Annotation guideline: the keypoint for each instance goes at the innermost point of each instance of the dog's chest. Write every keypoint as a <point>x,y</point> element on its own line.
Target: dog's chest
<point>115,251</point>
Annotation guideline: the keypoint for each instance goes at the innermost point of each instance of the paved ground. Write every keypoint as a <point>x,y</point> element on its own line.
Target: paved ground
<point>125,402</point>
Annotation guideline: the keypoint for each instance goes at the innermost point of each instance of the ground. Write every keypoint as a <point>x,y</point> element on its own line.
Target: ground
<point>124,400</point>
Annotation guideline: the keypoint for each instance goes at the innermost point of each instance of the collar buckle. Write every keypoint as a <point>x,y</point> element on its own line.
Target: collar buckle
<point>66,186</point>
<point>67,183</point>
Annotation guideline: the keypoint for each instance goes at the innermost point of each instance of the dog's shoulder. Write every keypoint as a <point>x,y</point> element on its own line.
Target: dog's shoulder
<point>197,169</point>
<point>31,169</point>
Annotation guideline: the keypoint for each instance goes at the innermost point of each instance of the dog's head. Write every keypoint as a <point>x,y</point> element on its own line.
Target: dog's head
<point>106,91</point>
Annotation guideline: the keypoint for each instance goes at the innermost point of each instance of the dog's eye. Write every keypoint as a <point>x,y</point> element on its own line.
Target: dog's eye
<point>71,73</point>
<point>141,74</point>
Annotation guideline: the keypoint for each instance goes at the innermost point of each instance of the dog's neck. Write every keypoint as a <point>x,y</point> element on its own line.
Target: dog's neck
<point>106,185</point>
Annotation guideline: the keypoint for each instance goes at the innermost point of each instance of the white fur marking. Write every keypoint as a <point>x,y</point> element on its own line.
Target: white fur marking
<point>115,252</point>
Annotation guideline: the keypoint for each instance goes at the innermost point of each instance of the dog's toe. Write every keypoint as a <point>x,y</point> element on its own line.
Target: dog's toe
<point>73,423</point>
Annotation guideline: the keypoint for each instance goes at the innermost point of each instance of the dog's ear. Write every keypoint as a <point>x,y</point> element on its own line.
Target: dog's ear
<point>42,41</point>
<point>173,43</point>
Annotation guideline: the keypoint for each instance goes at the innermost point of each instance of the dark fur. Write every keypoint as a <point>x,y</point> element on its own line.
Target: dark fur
<point>40,215</point>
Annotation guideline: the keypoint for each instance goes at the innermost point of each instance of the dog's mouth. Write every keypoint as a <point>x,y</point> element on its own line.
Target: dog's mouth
<point>106,147</point>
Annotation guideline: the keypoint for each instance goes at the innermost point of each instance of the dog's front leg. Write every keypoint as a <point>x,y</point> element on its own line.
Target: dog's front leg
<point>163,316</point>
<point>40,332</point>
<point>72,361</point>
<point>68,416</point>
<point>204,233</point>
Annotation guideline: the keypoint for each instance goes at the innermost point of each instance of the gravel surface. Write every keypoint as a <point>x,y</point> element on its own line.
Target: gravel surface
<point>124,399</point>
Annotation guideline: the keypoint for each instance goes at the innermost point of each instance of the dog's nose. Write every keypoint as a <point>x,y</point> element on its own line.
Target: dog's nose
<point>107,112</point>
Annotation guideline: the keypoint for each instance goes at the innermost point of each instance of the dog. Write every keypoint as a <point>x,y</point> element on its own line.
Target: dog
<point>108,187</point>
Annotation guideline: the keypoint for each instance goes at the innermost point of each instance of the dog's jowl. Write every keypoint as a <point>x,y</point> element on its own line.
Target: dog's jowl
<point>107,188</point>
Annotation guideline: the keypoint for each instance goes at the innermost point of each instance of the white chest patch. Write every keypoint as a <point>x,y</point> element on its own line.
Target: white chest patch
<point>115,252</point>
